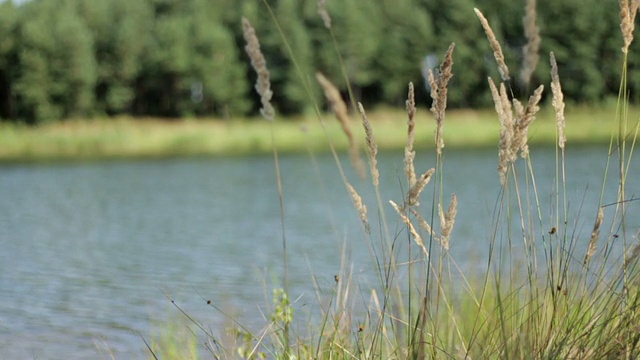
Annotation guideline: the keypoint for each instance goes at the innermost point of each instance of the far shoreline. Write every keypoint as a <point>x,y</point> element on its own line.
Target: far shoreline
<point>129,138</point>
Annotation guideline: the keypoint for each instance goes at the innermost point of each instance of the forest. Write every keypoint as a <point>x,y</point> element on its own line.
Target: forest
<point>65,59</point>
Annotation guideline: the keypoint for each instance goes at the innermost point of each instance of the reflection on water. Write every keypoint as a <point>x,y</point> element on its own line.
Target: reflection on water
<point>91,253</point>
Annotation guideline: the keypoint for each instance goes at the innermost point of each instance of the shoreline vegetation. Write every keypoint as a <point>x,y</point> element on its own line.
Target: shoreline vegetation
<point>125,137</point>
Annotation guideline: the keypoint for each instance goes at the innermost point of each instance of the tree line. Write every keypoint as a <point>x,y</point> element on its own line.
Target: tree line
<point>171,58</point>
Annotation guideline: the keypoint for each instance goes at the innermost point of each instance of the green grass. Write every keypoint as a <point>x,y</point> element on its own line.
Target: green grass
<point>140,138</point>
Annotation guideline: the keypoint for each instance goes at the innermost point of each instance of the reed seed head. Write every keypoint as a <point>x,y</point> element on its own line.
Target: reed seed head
<point>409,167</point>
<point>447,220</point>
<point>634,254</point>
<point>411,103</point>
<point>439,89</point>
<point>332,94</point>
<point>409,153</point>
<point>531,49</point>
<point>628,11</point>
<point>495,46</point>
<point>595,235</point>
<point>416,236</point>
<point>558,100</point>
<point>413,195</point>
<point>514,125</point>
<point>362,209</point>
<point>524,118</point>
<point>422,223</point>
<point>259,64</point>
<point>371,145</point>
<point>505,115</point>
<point>324,14</point>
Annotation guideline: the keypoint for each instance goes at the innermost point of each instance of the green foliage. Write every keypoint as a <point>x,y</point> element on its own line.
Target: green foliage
<point>121,31</point>
<point>215,64</point>
<point>299,68</point>
<point>576,41</point>
<point>57,68</point>
<point>283,312</point>
<point>174,341</point>
<point>8,57</point>
<point>408,38</point>
<point>76,58</point>
<point>472,61</point>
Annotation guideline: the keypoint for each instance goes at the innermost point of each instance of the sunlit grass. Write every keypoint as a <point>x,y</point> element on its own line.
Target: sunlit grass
<point>126,137</point>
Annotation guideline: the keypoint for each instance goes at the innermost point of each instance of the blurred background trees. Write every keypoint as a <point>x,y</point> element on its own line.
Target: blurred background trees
<point>64,59</point>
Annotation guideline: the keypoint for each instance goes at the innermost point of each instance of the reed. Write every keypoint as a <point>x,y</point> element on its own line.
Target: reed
<point>447,220</point>
<point>259,64</point>
<point>595,235</point>
<point>409,153</point>
<point>628,12</point>
<point>324,14</point>
<point>439,87</point>
<point>371,146</point>
<point>362,209</point>
<point>558,305</point>
<point>495,45</point>
<point>524,117</point>
<point>341,112</point>
<point>505,116</point>
<point>263,88</point>
<point>416,235</point>
<point>558,101</point>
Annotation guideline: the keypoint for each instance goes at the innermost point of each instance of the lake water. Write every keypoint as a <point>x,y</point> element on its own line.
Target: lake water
<point>91,253</point>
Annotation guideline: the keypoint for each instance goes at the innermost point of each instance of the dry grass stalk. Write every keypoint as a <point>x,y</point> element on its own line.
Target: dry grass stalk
<point>413,195</point>
<point>339,107</point>
<point>324,14</point>
<point>357,202</point>
<point>495,46</point>
<point>259,64</point>
<point>409,153</point>
<point>628,11</point>
<point>524,118</point>
<point>505,115</point>
<point>634,253</point>
<point>371,145</point>
<point>422,223</point>
<point>558,100</point>
<point>595,235</point>
<point>531,49</point>
<point>518,110</point>
<point>515,120</point>
<point>439,91</point>
<point>412,229</point>
<point>447,220</point>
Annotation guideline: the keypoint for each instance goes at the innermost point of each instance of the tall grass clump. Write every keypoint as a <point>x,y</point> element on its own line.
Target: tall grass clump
<point>547,290</point>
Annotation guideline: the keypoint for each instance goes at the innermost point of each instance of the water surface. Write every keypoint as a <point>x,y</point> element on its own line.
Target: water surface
<point>91,253</point>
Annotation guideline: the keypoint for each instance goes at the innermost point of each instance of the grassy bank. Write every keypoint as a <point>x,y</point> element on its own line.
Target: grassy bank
<point>126,137</point>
